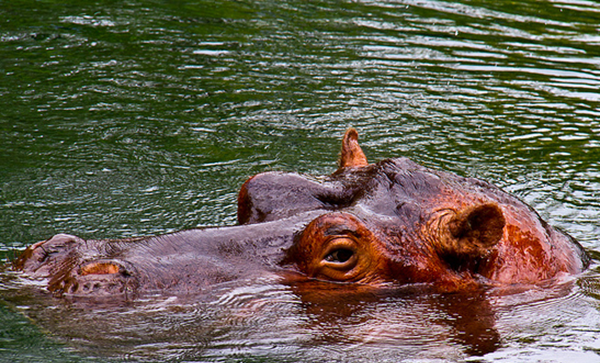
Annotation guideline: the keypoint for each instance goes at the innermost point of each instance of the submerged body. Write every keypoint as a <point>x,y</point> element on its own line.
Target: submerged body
<point>393,222</point>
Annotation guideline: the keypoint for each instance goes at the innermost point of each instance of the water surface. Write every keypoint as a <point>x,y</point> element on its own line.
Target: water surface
<point>143,117</point>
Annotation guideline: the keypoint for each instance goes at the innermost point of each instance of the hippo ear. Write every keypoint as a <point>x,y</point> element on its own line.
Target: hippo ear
<point>352,155</point>
<point>475,230</point>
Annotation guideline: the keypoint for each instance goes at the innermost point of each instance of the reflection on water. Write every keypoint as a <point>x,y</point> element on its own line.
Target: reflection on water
<point>310,321</point>
<point>145,117</point>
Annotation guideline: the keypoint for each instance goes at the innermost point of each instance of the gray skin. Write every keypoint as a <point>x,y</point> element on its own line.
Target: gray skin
<point>183,262</point>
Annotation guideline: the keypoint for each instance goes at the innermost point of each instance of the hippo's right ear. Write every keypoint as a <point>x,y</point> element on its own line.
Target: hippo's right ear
<point>352,155</point>
<point>473,231</point>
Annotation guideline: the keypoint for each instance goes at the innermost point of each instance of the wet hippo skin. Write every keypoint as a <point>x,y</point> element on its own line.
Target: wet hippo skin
<point>394,222</point>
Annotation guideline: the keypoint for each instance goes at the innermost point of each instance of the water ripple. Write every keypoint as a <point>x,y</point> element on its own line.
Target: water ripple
<point>144,118</point>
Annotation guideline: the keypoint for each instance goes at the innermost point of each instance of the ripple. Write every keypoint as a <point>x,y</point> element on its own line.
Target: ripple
<point>146,118</point>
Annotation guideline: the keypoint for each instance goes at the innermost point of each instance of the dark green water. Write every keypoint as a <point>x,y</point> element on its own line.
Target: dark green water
<point>143,117</point>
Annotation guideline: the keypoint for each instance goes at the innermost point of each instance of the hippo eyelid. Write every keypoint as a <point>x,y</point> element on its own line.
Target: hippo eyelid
<point>340,231</point>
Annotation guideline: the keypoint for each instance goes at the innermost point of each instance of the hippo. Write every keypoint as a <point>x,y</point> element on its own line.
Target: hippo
<point>391,223</point>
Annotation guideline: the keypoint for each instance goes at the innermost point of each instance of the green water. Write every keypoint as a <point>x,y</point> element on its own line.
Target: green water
<point>143,117</point>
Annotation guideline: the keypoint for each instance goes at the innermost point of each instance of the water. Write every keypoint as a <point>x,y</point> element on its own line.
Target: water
<point>143,117</point>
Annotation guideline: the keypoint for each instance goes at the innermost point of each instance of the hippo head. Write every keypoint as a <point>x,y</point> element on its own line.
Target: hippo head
<point>398,222</point>
<point>393,222</point>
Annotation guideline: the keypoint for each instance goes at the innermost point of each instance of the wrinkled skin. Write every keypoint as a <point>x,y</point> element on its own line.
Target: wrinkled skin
<point>390,223</point>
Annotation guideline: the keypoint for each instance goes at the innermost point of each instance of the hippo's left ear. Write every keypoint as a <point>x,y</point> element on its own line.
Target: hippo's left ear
<point>351,155</point>
<point>475,230</point>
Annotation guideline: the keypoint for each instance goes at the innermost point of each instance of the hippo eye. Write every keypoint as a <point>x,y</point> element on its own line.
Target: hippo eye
<point>340,255</point>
